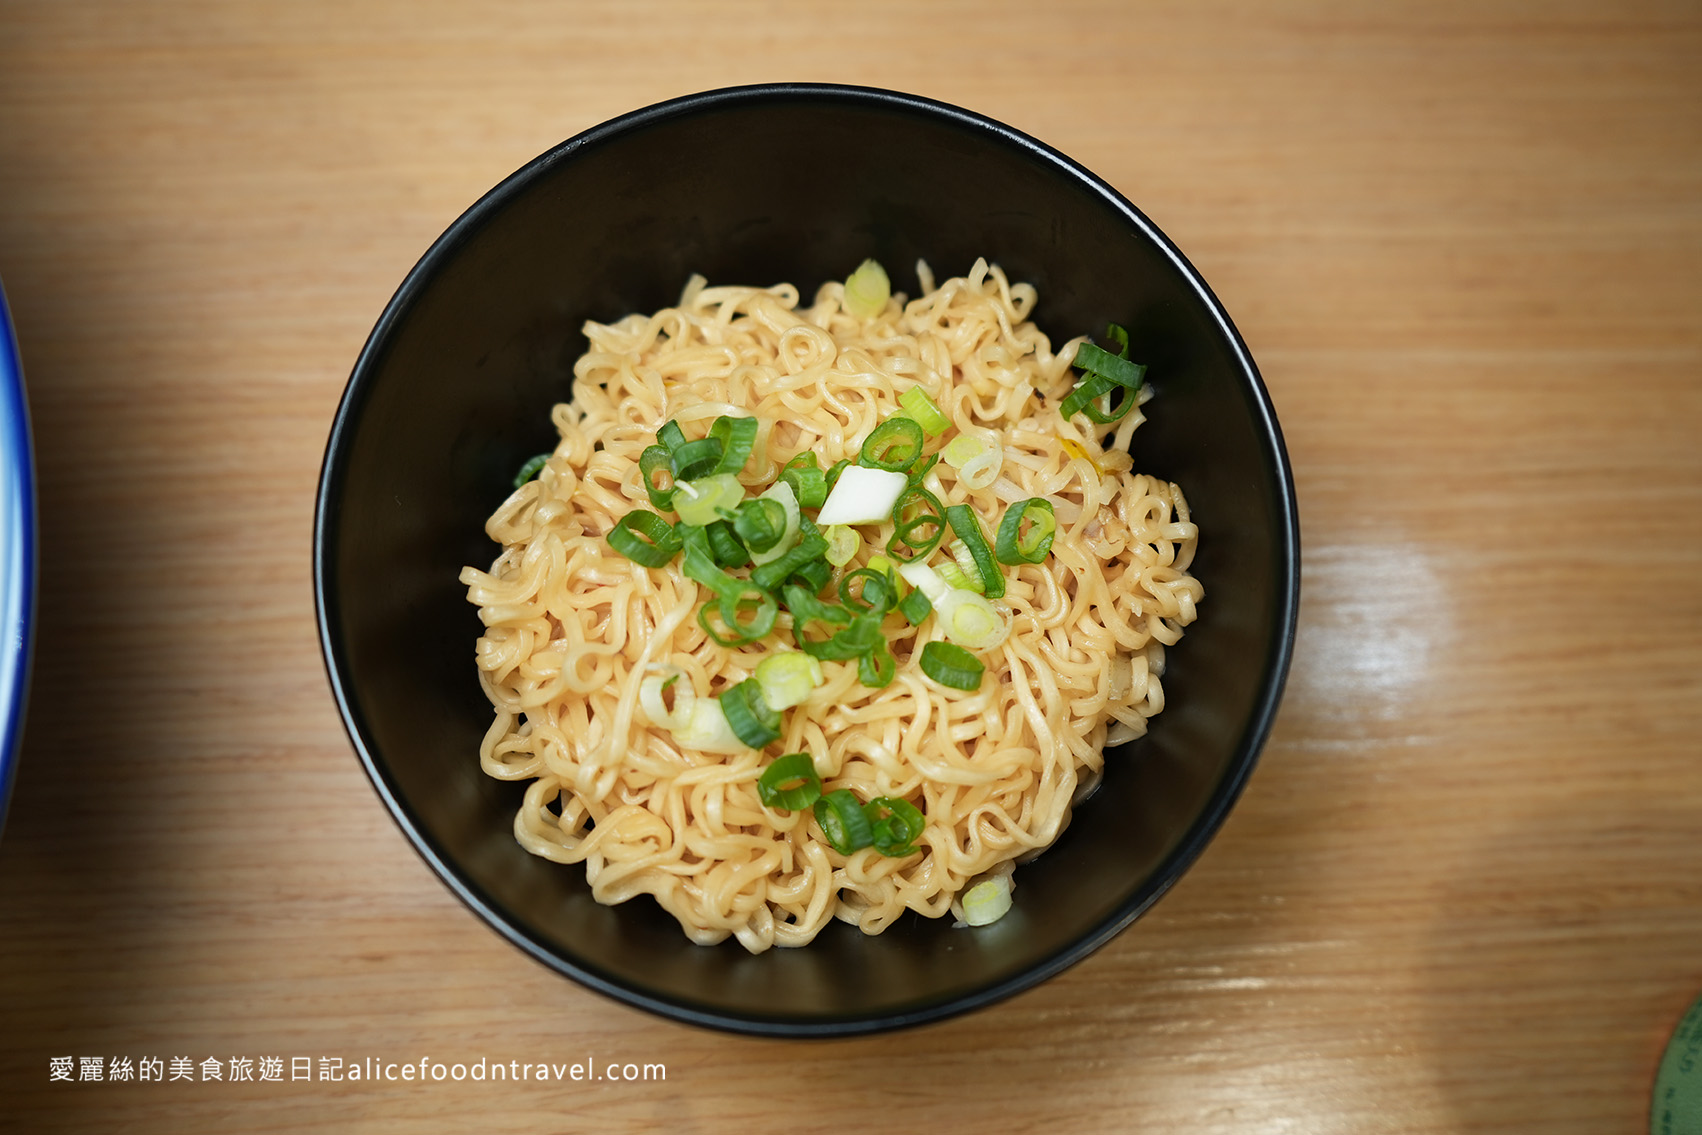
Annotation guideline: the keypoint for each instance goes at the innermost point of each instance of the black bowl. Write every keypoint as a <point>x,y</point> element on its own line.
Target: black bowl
<point>760,185</point>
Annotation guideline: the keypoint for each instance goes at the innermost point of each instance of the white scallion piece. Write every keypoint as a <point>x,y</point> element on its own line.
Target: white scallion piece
<point>782,492</point>
<point>987,901</point>
<point>862,496</point>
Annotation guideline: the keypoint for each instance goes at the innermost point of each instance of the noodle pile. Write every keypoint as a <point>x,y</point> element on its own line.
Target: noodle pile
<point>572,627</point>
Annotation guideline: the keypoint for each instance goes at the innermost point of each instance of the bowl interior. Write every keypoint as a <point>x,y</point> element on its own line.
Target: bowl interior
<point>760,186</point>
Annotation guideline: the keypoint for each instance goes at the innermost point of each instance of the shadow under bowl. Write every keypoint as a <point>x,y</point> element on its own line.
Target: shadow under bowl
<point>759,185</point>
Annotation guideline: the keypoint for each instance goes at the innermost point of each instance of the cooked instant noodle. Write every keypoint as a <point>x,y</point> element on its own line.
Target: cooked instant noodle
<point>574,628</point>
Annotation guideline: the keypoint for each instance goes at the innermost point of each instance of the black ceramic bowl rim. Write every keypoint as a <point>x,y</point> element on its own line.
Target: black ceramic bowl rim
<point>1180,857</point>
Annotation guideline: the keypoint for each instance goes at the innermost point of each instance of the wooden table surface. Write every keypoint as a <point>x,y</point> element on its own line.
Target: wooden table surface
<point>1463,891</point>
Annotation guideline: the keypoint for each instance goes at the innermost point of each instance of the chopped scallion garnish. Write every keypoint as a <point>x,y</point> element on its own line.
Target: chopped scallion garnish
<point>894,825</point>
<point>952,666</point>
<point>694,459</point>
<point>842,543</point>
<point>653,462</point>
<point>1014,543</point>
<point>919,406</point>
<point>968,528</point>
<point>894,445</point>
<point>644,538</point>
<point>760,523</point>
<point>787,677</point>
<point>790,782</point>
<point>706,499</point>
<point>805,476</point>
<point>530,469</point>
<point>737,436</point>
<point>843,822</point>
<point>867,290</point>
<point>751,718</point>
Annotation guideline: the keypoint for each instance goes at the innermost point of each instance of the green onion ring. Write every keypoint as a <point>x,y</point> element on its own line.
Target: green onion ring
<point>1011,546</point>
<point>894,445</point>
<point>831,477</point>
<point>724,545</point>
<point>752,719</point>
<point>918,405</point>
<point>915,607</point>
<point>531,468</point>
<point>894,825</point>
<point>952,666</point>
<point>790,782</point>
<point>737,436</point>
<point>808,482</point>
<point>645,538</point>
<point>885,595</point>
<point>772,574</point>
<point>760,523</point>
<point>740,631</point>
<point>876,668</point>
<point>842,821</point>
<point>695,459</point>
<point>671,436</point>
<point>907,526</point>
<point>968,528</point>
<point>652,461</point>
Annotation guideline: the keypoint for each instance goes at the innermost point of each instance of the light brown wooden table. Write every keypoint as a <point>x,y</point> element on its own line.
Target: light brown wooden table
<point>1464,889</point>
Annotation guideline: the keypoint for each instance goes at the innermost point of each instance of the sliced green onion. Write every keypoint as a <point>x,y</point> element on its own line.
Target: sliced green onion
<point>987,901</point>
<point>816,573</point>
<point>894,825</point>
<point>760,523</point>
<point>876,668</point>
<point>806,608</point>
<point>1097,360</point>
<point>707,499</point>
<point>1084,400</point>
<point>862,496</point>
<point>531,468</point>
<point>982,470</point>
<point>766,609</point>
<point>920,470</point>
<point>960,580</point>
<point>962,449</point>
<point>843,541</point>
<point>752,719</point>
<point>671,436</point>
<point>1013,545</point>
<point>737,436</point>
<point>968,528</point>
<point>769,576</point>
<point>1104,373</point>
<point>699,565</point>
<point>781,493</point>
<point>787,677</point>
<point>790,782</point>
<point>867,290</point>
<point>842,821</point>
<point>859,638</point>
<point>971,620</point>
<point>968,619</point>
<point>894,445</point>
<point>695,459</point>
<point>706,728</point>
<point>808,482</point>
<point>880,592</point>
<point>952,666</point>
<point>916,510</point>
<point>920,407</point>
<point>652,461</point>
<point>831,477</point>
<point>915,607</point>
<point>652,695</point>
<point>724,545</point>
<point>645,538</point>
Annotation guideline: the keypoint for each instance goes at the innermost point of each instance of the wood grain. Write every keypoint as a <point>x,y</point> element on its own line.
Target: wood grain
<point>1464,890</point>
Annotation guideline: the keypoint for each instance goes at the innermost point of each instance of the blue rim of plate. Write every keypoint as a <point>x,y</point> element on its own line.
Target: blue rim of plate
<point>17,554</point>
